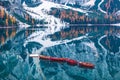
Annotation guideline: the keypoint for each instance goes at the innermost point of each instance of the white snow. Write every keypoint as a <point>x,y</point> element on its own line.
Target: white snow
<point>42,13</point>
<point>117,13</point>
<point>89,3</point>
<point>47,42</point>
<point>23,25</point>
<point>117,24</point>
<point>101,44</point>
<point>46,5</point>
<point>118,35</point>
<point>92,46</point>
<point>99,8</point>
<point>55,24</point>
<point>34,55</point>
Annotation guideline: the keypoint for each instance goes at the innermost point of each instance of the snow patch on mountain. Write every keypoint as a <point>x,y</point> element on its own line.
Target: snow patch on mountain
<point>41,12</point>
<point>117,24</point>
<point>89,3</point>
<point>47,5</point>
<point>118,35</point>
<point>47,42</point>
<point>99,7</point>
<point>117,13</point>
<point>92,46</point>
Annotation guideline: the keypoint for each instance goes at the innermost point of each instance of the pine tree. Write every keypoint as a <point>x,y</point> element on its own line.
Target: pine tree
<point>6,22</point>
<point>2,13</point>
<point>2,39</point>
<point>32,21</point>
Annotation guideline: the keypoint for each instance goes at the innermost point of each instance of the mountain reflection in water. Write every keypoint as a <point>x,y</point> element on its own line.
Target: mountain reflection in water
<point>100,47</point>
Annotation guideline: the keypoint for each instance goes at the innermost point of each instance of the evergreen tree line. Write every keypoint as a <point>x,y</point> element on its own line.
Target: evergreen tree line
<point>6,19</point>
<point>74,17</point>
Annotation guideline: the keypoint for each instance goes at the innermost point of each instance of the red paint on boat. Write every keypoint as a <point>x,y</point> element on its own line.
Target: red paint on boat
<point>66,60</point>
<point>86,65</point>
<point>57,59</point>
<point>71,62</point>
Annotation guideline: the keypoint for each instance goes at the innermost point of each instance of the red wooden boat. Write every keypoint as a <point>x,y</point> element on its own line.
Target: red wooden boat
<point>64,60</point>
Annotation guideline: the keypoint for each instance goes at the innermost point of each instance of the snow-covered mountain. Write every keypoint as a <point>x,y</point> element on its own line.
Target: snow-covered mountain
<point>110,6</point>
<point>54,28</point>
<point>88,8</point>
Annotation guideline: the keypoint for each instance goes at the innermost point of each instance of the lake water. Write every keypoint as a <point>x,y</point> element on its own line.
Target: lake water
<point>99,45</point>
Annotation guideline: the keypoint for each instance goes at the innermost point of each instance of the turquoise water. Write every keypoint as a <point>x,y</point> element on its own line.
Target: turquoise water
<point>99,45</point>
